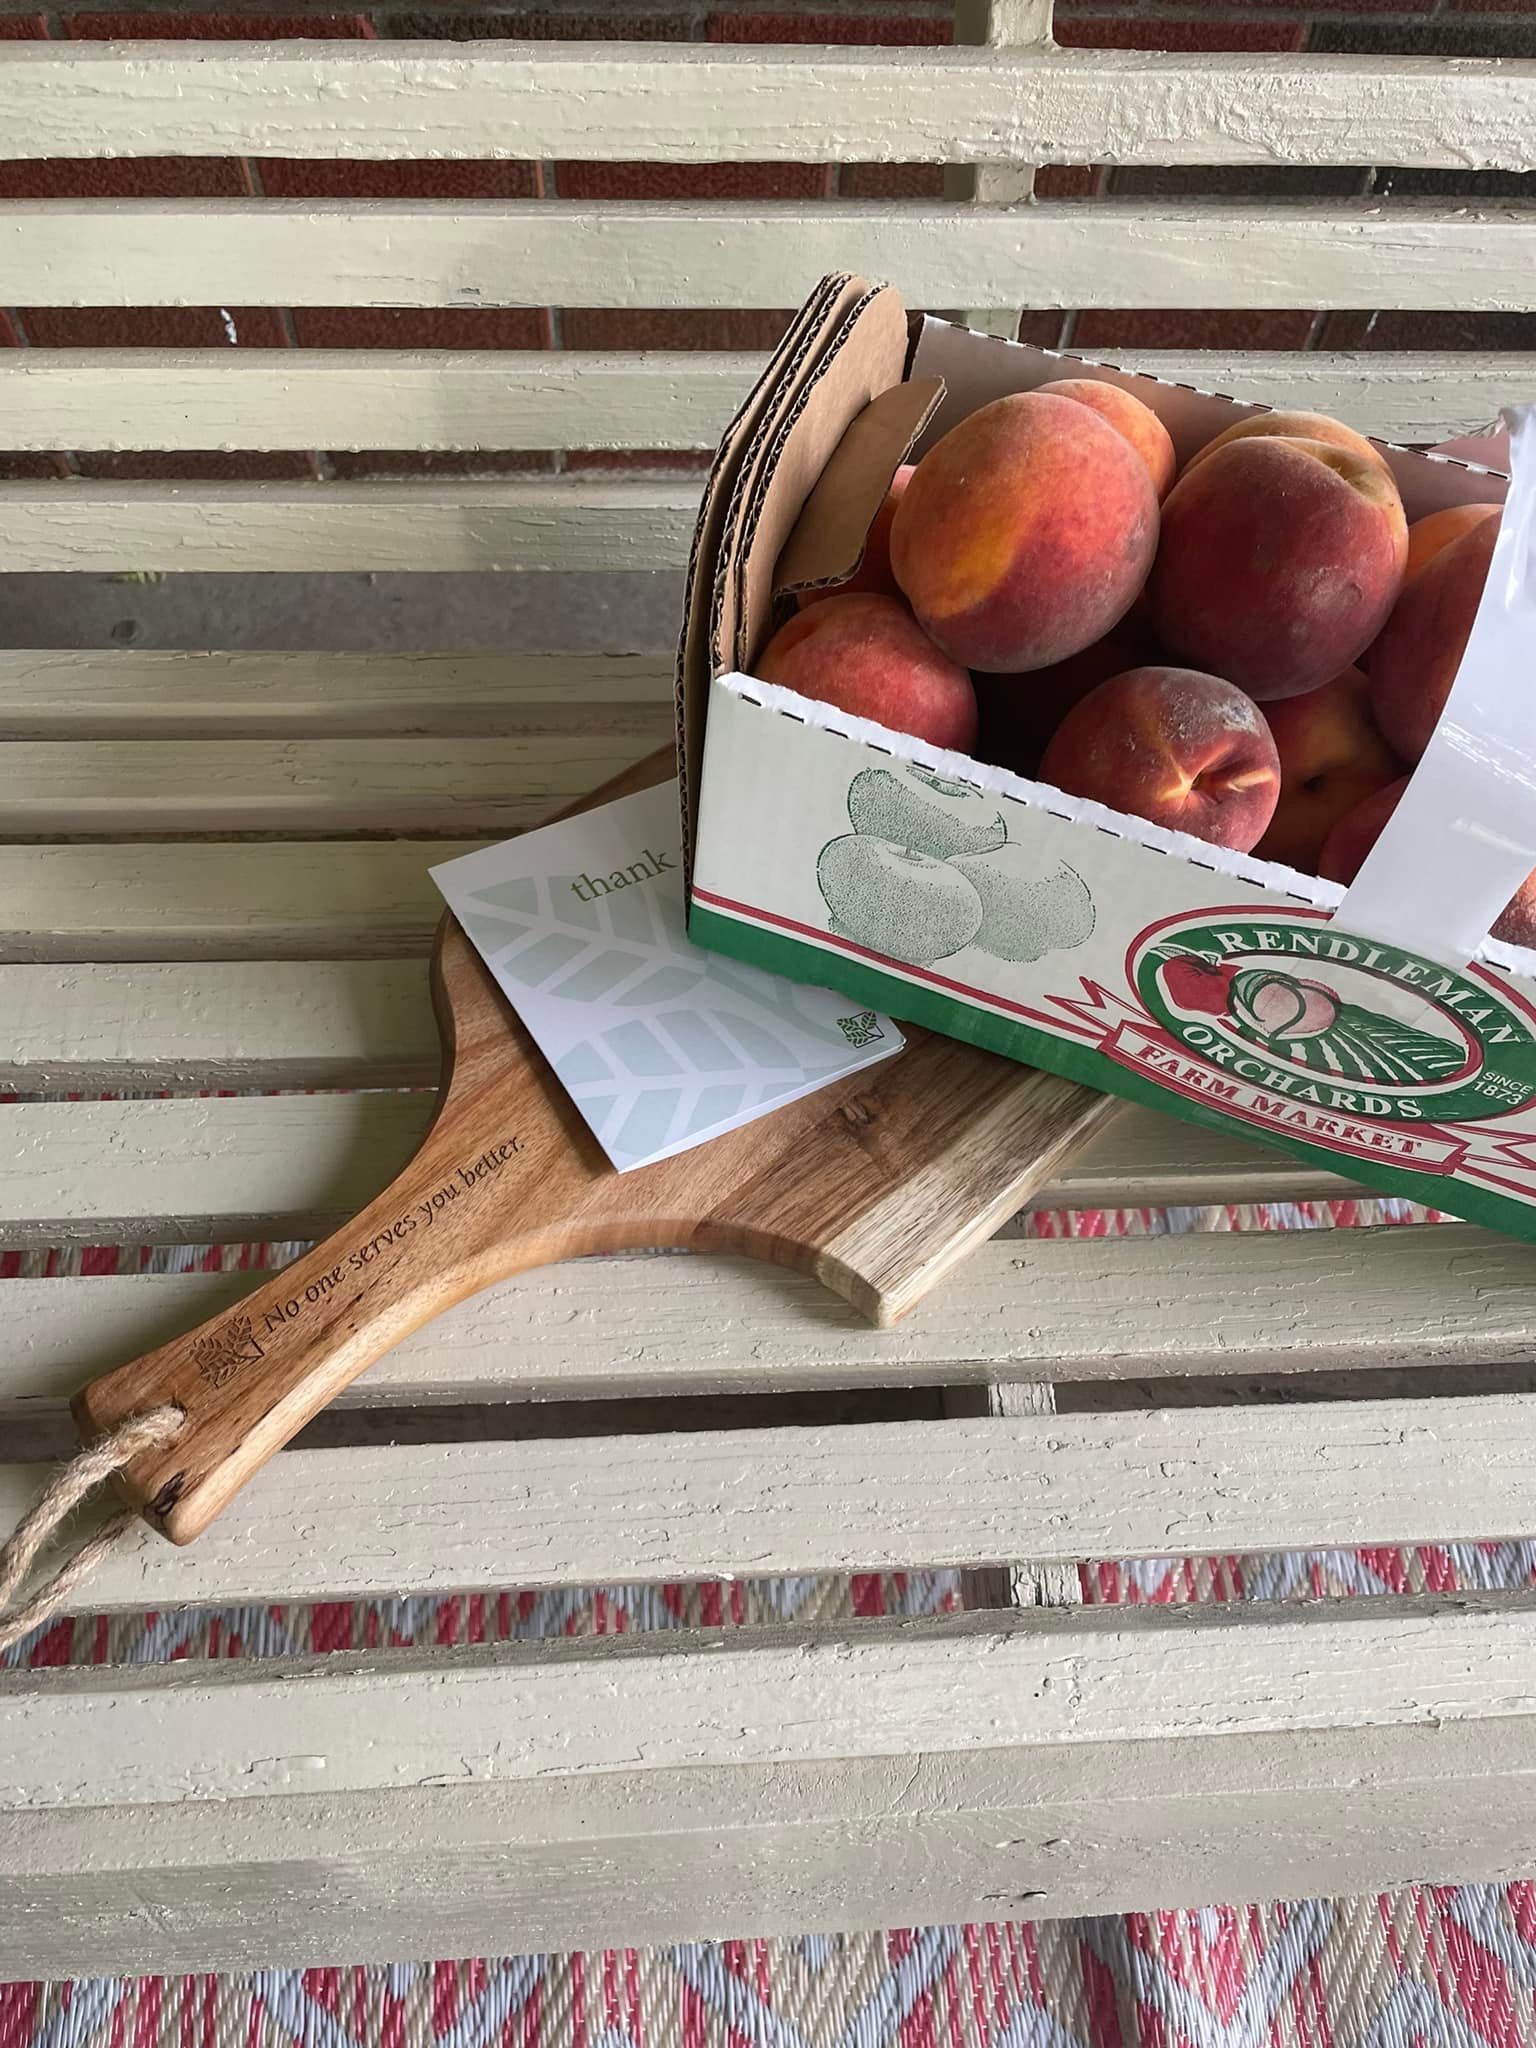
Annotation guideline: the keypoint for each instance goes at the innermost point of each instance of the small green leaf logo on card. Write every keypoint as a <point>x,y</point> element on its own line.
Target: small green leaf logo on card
<point>862,1029</point>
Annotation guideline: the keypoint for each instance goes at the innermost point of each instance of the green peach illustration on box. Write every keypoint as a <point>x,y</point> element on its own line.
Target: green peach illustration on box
<point>926,872</point>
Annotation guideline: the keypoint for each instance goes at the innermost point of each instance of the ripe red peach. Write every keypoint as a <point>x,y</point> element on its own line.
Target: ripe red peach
<point>1025,533</point>
<point>1344,850</point>
<point>1020,712</point>
<point>1516,924</point>
<point>1352,838</point>
<point>1176,747</point>
<point>874,570</point>
<point>1287,425</point>
<point>1436,530</point>
<point>1278,564</point>
<point>868,655</point>
<point>1129,416</point>
<point>1331,758</point>
<point>1414,663</point>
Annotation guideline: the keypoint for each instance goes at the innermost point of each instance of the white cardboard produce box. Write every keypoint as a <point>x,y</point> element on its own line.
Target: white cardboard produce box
<point>1381,1034</point>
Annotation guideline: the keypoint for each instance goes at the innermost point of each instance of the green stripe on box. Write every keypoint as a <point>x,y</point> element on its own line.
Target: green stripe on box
<point>911,1003</point>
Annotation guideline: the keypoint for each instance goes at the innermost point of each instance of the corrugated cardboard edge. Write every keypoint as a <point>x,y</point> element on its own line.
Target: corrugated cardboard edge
<point>773,455</point>
<point>865,359</point>
<point>977,368</point>
<point>814,319</point>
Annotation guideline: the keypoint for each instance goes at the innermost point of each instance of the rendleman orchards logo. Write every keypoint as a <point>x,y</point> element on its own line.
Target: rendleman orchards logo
<point>1324,1033</point>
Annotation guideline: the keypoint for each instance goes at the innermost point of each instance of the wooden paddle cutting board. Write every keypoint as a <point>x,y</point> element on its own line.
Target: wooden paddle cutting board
<point>877,1184</point>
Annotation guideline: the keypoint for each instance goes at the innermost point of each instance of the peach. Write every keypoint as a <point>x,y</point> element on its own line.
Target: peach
<point>1414,663</point>
<point>874,570</point>
<point>1129,416</point>
<point>1344,850</point>
<point>1293,426</point>
<point>1025,533</point>
<point>1436,530</point>
<point>1353,837</point>
<point>1020,712</point>
<point>1516,924</point>
<point>1176,747</point>
<point>1279,562</point>
<point>868,655</point>
<point>1331,758</point>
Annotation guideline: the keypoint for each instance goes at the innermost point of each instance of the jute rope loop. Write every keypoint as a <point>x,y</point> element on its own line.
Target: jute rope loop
<point>58,1500</point>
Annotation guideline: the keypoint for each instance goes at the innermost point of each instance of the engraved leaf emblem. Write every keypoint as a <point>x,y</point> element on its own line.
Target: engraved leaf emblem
<point>221,1353</point>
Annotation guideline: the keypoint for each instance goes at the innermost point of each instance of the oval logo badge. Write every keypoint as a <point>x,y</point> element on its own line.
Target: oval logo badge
<point>1313,1015</point>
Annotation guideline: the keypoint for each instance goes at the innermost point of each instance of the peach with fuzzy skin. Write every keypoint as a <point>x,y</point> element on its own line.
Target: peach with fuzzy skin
<point>1437,530</point>
<point>1020,712</point>
<point>1352,838</point>
<point>1129,416</point>
<point>1173,746</point>
<point>1292,426</point>
<point>874,571</point>
<point>1344,850</point>
<point>1278,564</point>
<point>1517,920</point>
<point>868,655</point>
<point>1331,758</point>
<point>1414,663</point>
<point>1025,533</point>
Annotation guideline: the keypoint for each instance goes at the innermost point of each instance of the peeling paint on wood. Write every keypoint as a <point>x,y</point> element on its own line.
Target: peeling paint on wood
<point>755,104</point>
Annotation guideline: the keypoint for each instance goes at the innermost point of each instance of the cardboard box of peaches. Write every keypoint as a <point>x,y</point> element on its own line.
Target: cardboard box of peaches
<point>1103,722</point>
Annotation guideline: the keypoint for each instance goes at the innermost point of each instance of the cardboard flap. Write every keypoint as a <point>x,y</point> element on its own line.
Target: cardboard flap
<point>741,547</point>
<point>805,334</point>
<point>866,357</point>
<point>827,543</point>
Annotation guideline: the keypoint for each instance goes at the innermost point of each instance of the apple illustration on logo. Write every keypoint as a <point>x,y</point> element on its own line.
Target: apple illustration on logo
<point>923,811</point>
<point>1197,984</point>
<point>1026,911</point>
<point>895,900</point>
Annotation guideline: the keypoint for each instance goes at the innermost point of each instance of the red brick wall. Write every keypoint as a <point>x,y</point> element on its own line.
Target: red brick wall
<point>1440,27</point>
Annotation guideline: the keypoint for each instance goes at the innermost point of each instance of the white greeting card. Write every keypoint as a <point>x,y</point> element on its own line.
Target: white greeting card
<point>660,1044</point>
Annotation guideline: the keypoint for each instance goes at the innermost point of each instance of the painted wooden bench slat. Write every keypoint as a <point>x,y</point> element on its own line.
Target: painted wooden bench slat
<point>367,398</point>
<point>137,1026</point>
<point>573,523</point>
<point>338,398</point>
<point>1040,1685</point>
<point>1240,1302</point>
<point>451,1862</point>
<point>685,103</point>
<point>955,1779</point>
<point>371,1520</point>
<point>221,901</point>
<point>230,1168</point>
<point>1082,253</point>
<point>90,694</point>
<point>483,785</point>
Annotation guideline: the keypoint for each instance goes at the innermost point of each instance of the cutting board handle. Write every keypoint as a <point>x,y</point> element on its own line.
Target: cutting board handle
<point>481,1199</point>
